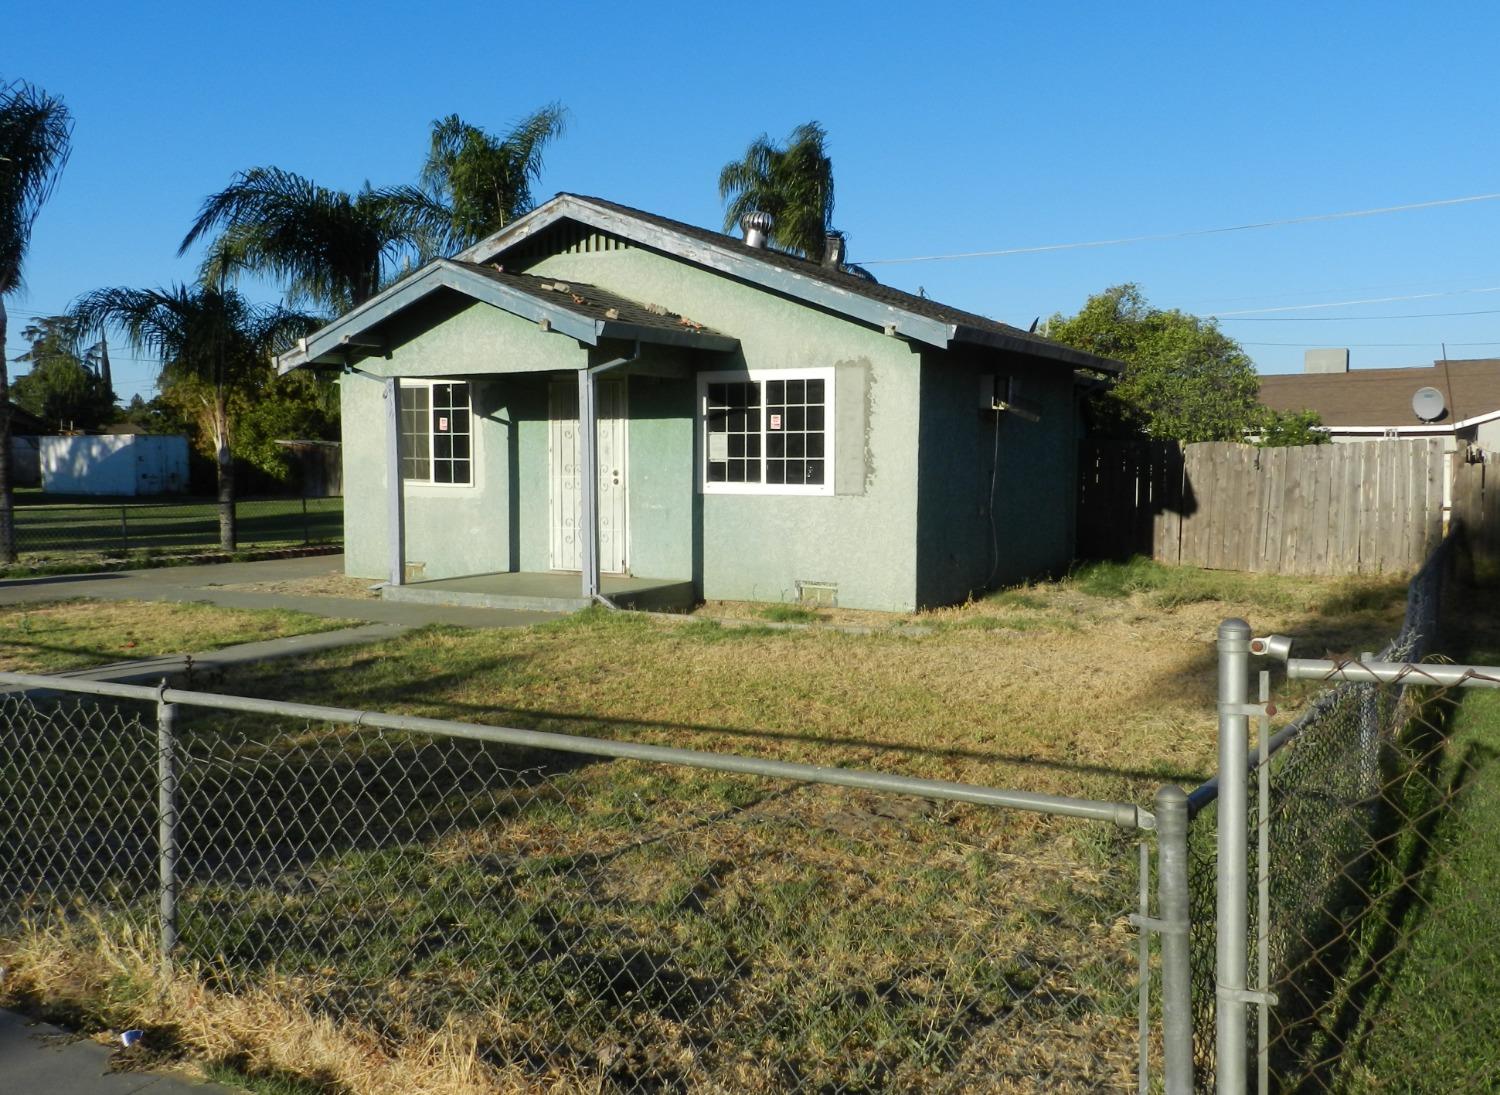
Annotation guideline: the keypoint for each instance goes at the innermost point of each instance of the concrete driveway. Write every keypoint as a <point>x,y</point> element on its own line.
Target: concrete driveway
<point>206,583</point>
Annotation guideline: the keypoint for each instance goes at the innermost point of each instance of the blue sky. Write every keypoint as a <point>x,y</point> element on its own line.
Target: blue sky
<point>954,127</point>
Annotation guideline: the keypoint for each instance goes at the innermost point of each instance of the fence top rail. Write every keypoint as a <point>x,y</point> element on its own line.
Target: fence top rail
<point>1122,814</point>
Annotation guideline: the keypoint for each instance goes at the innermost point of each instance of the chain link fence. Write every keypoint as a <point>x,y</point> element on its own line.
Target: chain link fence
<point>343,900</point>
<point>1362,828</point>
<point>86,532</point>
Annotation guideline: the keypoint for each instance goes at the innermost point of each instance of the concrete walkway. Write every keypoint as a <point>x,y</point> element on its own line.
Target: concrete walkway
<point>37,1059</point>
<point>205,583</point>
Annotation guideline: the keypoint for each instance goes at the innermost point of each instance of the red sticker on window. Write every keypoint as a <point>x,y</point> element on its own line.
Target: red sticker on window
<point>776,422</point>
<point>442,423</point>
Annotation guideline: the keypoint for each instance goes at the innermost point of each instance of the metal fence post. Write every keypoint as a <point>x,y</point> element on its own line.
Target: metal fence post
<point>1176,964</point>
<point>306,530</point>
<point>1231,953</point>
<point>166,802</point>
<point>124,530</point>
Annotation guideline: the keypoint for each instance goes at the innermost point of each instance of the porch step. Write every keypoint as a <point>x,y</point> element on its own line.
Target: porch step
<point>496,592</point>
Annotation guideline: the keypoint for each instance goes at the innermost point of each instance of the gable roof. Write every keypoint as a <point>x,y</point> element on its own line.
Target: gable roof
<point>581,311</point>
<point>902,313</point>
<point>1370,399</point>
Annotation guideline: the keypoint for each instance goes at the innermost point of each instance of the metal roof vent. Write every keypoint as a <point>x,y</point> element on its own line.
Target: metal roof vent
<point>833,250</point>
<point>757,228</point>
<point>1427,404</point>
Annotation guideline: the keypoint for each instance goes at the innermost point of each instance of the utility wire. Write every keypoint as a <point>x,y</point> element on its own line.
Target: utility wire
<point>1379,345</point>
<point>1346,215</point>
<point>1351,319</point>
<point>1349,303</point>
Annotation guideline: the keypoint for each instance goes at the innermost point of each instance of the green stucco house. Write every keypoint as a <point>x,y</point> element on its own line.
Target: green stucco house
<point>670,414</point>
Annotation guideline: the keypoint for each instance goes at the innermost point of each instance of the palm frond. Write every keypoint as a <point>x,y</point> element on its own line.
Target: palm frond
<point>35,139</point>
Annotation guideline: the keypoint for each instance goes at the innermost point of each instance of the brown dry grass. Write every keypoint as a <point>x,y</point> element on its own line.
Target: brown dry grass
<point>63,635</point>
<point>96,975</point>
<point>1050,688</point>
<point>1101,688</point>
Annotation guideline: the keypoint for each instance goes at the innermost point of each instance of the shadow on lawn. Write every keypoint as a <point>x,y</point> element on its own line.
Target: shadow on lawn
<point>341,685</point>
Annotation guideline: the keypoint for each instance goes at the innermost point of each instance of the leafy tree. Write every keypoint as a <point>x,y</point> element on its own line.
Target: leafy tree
<point>1287,429</point>
<point>60,388</point>
<point>793,183</point>
<point>334,249</point>
<point>299,405</point>
<point>215,350</point>
<point>157,415</point>
<point>35,136</point>
<point>479,183</point>
<point>1184,379</point>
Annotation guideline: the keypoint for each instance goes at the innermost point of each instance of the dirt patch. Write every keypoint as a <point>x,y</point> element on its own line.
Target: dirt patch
<point>324,585</point>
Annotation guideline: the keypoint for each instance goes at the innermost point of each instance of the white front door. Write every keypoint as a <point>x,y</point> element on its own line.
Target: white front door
<point>566,545</point>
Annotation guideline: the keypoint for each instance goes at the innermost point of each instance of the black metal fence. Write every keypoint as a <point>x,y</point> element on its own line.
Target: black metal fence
<point>127,530</point>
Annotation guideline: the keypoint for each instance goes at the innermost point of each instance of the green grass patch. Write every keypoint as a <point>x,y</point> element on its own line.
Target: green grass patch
<point>56,536</point>
<point>789,614</point>
<point>1429,1019</point>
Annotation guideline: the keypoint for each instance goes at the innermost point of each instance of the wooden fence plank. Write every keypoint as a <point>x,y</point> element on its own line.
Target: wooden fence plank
<point>1337,509</point>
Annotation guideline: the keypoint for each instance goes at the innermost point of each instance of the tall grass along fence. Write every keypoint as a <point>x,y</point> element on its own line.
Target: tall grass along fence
<point>102,530</point>
<point>1324,863</point>
<point>1318,510</point>
<point>389,903</point>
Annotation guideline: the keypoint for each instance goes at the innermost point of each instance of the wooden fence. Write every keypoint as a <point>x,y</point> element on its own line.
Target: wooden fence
<point>1366,507</point>
<point>1476,503</point>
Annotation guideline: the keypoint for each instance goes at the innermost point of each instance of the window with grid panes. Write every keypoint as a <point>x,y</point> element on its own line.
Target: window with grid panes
<point>437,439</point>
<point>767,432</point>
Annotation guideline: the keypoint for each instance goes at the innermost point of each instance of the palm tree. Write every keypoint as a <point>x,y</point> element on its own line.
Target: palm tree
<point>35,136</point>
<point>334,249</point>
<point>793,183</point>
<point>480,183</point>
<point>215,350</point>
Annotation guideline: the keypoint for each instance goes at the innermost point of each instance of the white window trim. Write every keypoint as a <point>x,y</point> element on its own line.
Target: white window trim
<point>433,484</point>
<point>760,376</point>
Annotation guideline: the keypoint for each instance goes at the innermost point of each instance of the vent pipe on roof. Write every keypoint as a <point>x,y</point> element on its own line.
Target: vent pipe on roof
<point>833,250</point>
<point>757,228</point>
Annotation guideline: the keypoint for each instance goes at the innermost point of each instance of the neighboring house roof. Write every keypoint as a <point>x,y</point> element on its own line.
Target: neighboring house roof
<point>24,423</point>
<point>916,317</point>
<point>582,311</point>
<point>1371,400</point>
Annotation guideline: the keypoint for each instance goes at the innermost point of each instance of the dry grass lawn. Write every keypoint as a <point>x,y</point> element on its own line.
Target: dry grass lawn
<point>1102,686</point>
<point>63,635</point>
<point>566,926</point>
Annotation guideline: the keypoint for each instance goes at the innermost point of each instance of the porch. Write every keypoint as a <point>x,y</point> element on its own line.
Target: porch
<point>555,591</point>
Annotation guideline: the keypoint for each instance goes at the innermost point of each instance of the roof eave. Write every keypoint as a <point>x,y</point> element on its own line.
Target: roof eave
<point>330,343</point>
<point>1037,347</point>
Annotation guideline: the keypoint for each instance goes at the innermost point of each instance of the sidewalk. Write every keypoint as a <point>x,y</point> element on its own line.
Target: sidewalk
<point>205,582</point>
<point>38,1059</point>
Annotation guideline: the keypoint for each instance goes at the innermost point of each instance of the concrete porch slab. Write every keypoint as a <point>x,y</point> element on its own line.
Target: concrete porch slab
<point>544,592</point>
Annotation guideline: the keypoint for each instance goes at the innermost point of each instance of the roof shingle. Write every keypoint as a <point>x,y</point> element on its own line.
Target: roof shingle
<point>1382,397</point>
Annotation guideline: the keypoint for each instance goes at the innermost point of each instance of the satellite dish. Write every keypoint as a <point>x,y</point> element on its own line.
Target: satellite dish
<point>1428,404</point>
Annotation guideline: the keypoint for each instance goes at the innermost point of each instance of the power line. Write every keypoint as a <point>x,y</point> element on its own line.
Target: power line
<point>1282,222</point>
<point>1350,303</point>
<point>1351,319</point>
<point>1380,345</point>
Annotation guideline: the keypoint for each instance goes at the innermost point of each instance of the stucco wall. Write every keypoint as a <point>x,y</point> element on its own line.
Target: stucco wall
<point>758,547</point>
<point>455,530</point>
<point>1032,465</point>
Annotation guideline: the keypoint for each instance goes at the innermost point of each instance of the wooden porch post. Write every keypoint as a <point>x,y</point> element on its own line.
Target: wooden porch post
<point>395,507</point>
<point>588,472</point>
